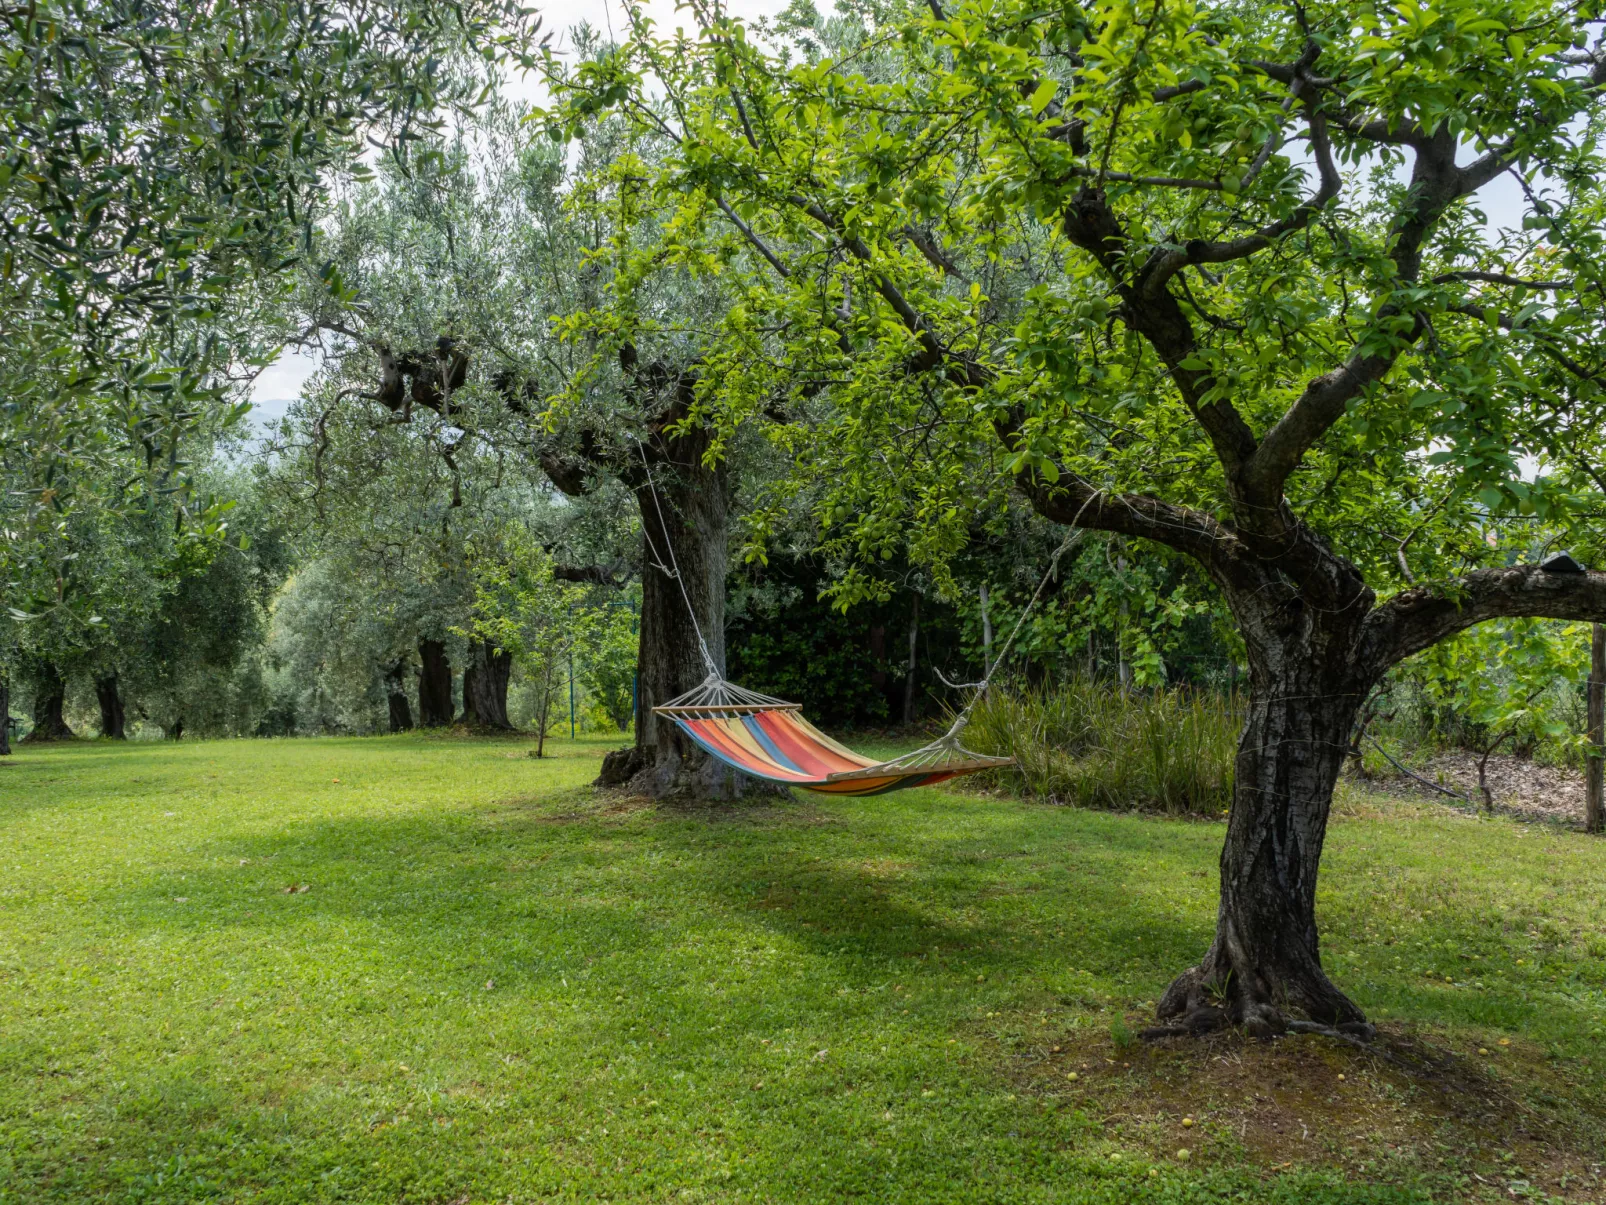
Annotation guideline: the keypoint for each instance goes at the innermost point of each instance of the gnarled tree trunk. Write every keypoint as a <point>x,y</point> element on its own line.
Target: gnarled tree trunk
<point>49,698</point>
<point>401,714</point>
<point>684,523</point>
<point>485,681</point>
<point>434,684</point>
<point>1307,682</point>
<point>111,706</point>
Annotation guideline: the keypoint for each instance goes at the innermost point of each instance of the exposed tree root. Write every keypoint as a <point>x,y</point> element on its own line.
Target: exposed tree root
<point>1215,995</point>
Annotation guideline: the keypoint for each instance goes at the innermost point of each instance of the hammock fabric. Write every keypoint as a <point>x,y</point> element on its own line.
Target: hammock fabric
<point>768,738</point>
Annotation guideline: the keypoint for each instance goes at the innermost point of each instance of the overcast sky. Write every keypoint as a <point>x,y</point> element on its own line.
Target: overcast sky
<point>279,385</point>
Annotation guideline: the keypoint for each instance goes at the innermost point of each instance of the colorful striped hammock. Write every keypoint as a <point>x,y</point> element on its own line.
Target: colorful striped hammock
<point>768,738</point>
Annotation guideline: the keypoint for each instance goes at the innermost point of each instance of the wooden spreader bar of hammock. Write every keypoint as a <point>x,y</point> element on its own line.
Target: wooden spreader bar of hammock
<point>727,709</point>
<point>893,770</point>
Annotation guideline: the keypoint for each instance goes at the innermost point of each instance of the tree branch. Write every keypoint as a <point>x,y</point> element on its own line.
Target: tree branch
<point>1542,340</point>
<point>1402,133</point>
<point>1419,618</point>
<point>751,237</point>
<point>1077,503</point>
<point>926,243</point>
<point>1089,173</point>
<point>1091,224</point>
<point>594,575</point>
<point>1320,406</point>
<point>1436,183</point>
<point>1500,278</point>
<point>1164,265</point>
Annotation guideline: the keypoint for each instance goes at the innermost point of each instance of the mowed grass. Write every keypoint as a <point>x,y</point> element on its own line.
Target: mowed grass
<point>435,970</point>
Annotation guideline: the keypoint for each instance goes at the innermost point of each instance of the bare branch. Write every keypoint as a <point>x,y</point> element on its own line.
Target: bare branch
<point>747,233</point>
<point>1427,518</point>
<point>1419,618</point>
<point>1500,278</point>
<point>1412,774</point>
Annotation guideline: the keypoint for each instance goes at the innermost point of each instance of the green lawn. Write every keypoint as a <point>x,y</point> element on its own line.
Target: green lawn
<point>435,970</point>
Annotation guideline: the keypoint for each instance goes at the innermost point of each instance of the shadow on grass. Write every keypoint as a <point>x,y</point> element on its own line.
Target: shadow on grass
<point>553,888</point>
<point>606,926</point>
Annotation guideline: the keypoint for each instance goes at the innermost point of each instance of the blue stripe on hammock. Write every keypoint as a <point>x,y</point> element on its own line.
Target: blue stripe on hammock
<point>765,743</point>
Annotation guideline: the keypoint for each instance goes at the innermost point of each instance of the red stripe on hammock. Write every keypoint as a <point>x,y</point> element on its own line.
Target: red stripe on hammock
<point>799,749</point>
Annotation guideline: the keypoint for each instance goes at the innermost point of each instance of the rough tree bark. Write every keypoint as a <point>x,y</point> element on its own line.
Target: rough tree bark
<point>684,517</point>
<point>401,714</point>
<point>1595,711</point>
<point>49,697</point>
<point>109,695</point>
<point>5,716</point>
<point>485,680</point>
<point>1307,680</point>
<point>434,684</point>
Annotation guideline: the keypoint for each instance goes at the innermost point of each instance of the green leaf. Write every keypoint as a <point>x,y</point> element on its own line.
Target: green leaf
<point>1042,95</point>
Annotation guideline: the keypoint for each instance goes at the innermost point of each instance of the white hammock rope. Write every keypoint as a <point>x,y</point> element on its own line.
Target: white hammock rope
<point>946,752</point>
<point>1071,537</point>
<point>673,568</point>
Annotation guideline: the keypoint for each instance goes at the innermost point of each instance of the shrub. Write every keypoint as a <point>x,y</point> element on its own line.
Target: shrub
<point>1089,743</point>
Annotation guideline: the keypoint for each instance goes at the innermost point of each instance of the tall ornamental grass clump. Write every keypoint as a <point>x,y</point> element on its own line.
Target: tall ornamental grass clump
<point>1091,744</point>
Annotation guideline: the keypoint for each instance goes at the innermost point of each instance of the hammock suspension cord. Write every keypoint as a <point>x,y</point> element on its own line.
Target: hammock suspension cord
<point>1071,538</point>
<point>673,568</point>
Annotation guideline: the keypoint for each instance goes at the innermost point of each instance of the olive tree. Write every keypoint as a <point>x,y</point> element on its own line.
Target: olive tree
<point>161,165</point>
<point>487,312</point>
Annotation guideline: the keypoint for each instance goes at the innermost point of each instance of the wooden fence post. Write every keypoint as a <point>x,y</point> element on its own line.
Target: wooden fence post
<point>1594,811</point>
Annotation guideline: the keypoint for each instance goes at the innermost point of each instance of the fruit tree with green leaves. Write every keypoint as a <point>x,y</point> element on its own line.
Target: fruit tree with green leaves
<point>1222,277</point>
